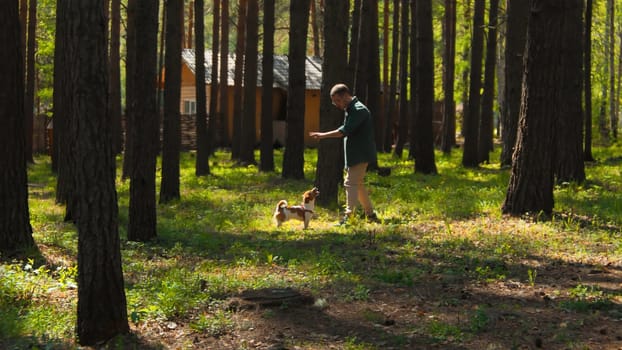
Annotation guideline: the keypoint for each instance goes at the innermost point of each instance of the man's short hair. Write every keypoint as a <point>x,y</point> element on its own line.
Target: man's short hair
<point>339,89</point>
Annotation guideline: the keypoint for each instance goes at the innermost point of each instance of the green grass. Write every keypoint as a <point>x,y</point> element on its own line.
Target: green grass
<point>219,239</point>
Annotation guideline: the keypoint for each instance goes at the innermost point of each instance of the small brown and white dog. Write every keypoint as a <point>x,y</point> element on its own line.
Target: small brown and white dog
<point>303,212</point>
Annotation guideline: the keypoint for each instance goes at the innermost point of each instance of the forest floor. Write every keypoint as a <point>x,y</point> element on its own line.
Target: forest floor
<point>442,270</point>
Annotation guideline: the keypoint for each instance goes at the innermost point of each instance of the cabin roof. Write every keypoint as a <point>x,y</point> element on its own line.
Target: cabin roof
<point>313,69</point>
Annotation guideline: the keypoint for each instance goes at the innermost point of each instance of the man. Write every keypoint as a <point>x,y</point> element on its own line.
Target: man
<point>359,148</point>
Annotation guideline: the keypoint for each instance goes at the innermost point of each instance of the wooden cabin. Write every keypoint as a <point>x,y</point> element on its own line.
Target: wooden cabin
<point>313,69</point>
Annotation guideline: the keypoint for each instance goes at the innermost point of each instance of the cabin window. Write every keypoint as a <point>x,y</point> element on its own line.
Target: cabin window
<point>190,107</point>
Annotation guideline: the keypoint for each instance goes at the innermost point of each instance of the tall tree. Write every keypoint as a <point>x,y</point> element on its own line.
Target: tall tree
<point>471,115</point>
<point>266,162</point>
<point>223,130</point>
<point>202,159</point>
<point>569,164</point>
<point>363,47</point>
<point>143,122</point>
<point>29,98</point>
<point>102,311</point>
<point>114,60</point>
<point>373,79</point>
<point>238,76</point>
<point>486,123</point>
<point>15,229</point>
<point>315,29</point>
<point>424,107</point>
<point>293,158</point>
<point>384,117</point>
<point>531,181</point>
<point>613,118</point>
<point>249,127</point>
<point>171,128</point>
<point>130,62</point>
<point>329,172</point>
<point>391,100</point>
<point>214,86</point>
<point>587,81</point>
<point>448,139</point>
<point>404,115</point>
<point>64,134</point>
<point>354,40</point>
<point>516,36</point>
<point>412,78</point>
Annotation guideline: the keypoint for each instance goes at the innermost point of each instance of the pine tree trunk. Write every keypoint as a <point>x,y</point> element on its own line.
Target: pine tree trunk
<point>238,95</point>
<point>202,159</point>
<point>315,30</point>
<point>485,144</point>
<point>29,98</point>
<point>569,164</point>
<point>266,162</point>
<point>15,229</point>
<point>102,312</point>
<point>293,159</point>
<point>249,127</point>
<point>402,127</point>
<point>471,113</point>
<point>531,182</point>
<point>385,121</point>
<point>114,102</point>
<point>214,92</point>
<point>144,124</point>
<point>330,161</point>
<point>587,73</point>
<point>363,46</point>
<point>424,149</point>
<point>354,42</point>
<point>448,139</point>
<point>223,130</point>
<point>171,130</point>
<point>413,76</point>
<point>388,128</point>
<point>517,14</point>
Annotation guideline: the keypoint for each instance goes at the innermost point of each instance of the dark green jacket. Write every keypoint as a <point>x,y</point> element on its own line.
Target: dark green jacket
<point>358,142</point>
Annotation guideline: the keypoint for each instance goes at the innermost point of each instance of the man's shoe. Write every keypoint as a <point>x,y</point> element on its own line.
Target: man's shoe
<point>372,218</point>
<point>343,221</point>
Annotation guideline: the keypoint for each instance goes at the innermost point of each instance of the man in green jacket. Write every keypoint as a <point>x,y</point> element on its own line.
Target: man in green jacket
<point>359,148</point>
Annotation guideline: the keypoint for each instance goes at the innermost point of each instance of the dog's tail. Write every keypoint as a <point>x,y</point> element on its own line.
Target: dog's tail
<point>281,204</point>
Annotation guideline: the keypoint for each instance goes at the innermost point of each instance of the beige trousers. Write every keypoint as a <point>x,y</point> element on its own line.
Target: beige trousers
<point>356,192</point>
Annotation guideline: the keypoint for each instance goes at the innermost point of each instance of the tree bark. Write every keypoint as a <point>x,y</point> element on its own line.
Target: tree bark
<point>404,115</point>
<point>101,307</point>
<point>448,139</point>
<point>202,159</point>
<point>266,162</point>
<point>517,15</point>
<point>471,115</point>
<point>293,159</point>
<point>114,103</point>
<point>212,124</point>
<point>389,125</point>
<point>144,123</point>
<point>223,130</point>
<point>249,127</point>
<point>424,107</point>
<point>531,182</point>
<point>315,30</point>
<point>29,98</point>
<point>15,229</point>
<point>569,164</point>
<point>330,161</point>
<point>486,125</point>
<point>354,41</point>
<point>587,73</point>
<point>238,95</point>
<point>171,128</point>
